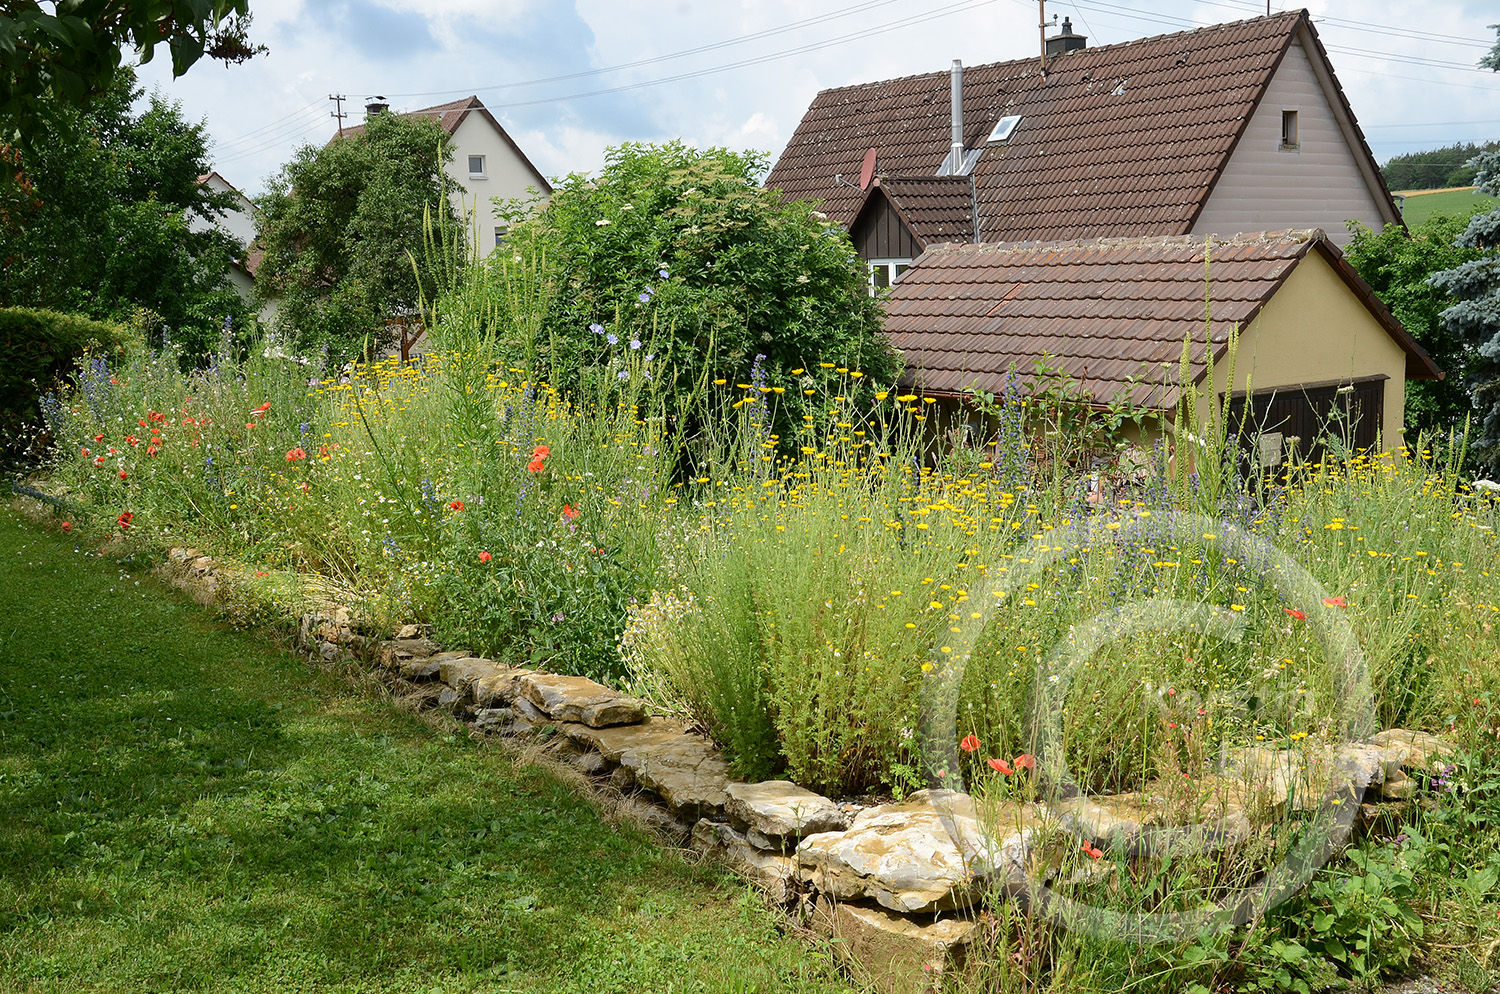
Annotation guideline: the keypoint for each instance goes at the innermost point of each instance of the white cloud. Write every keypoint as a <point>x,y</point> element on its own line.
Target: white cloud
<point>260,111</point>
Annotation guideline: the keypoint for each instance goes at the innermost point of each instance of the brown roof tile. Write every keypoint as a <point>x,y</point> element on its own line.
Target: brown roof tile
<point>1113,312</point>
<point>1085,160</point>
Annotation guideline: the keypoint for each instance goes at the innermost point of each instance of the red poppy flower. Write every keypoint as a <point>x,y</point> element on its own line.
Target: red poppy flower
<point>67,526</point>
<point>1295,613</point>
<point>457,505</point>
<point>152,450</point>
<point>535,466</point>
<point>141,422</point>
<point>98,460</point>
<point>125,519</point>
<point>970,742</point>
<point>323,451</point>
<point>260,411</point>
<point>99,438</point>
<point>1335,601</point>
<point>84,452</point>
<point>1092,850</point>
<point>123,474</point>
<point>485,557</point>
<point>132,440</point>
<point>293,455</point>
<point>1000,765</point>
<point>540,452</point>
<point>570,512</point>
<point>1026,761</point>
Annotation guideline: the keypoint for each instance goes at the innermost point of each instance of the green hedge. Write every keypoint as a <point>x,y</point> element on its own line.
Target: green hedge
<point>38,349</point>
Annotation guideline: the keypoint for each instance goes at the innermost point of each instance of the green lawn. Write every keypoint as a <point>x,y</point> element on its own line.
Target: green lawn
<point>183,807</point>
<point>1421,206</point>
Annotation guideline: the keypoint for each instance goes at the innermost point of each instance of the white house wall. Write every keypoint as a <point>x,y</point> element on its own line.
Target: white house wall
<point>506,175</point>
<point>1318,185</point>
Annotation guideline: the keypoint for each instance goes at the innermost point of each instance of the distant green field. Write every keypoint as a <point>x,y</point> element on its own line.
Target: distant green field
<point>1421,206</point>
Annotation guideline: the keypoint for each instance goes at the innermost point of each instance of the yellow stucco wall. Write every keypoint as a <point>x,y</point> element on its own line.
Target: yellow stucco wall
<point>1315,330</point>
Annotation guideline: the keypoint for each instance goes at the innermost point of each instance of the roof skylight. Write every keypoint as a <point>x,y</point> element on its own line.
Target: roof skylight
<point>1004,128</point>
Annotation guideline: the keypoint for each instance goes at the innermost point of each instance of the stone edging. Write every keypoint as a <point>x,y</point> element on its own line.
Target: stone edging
<point>886,882</point>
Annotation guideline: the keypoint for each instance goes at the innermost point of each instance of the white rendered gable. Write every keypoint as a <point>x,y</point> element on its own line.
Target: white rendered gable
<point>505,174</point>
<point>1319,183</point>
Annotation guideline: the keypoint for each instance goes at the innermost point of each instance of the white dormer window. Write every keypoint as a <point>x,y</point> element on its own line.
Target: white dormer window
<point>476,167</point>
<point>884,272</point>
<point>1004,128</point>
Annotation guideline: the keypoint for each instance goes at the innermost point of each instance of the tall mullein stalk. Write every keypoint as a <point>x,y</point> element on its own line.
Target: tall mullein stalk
<point>1202,442</point>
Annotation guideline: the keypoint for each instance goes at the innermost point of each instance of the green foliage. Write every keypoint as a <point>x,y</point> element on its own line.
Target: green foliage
<point>1361,918</point>
<point>244,822</point>
<point>1435,169</point>
<point>1475,319</point>
<point>96,220</point>
<point>72,53</point>
<point>41,349</point>
<point>1397,264</point>
<point>684,252</point>
<point>343,233</point>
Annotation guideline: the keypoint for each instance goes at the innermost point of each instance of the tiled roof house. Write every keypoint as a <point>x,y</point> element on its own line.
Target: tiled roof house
<point>1113,314</point>
<point>1231,128</point>
<point>1094,189</point>
<point>487,162</point>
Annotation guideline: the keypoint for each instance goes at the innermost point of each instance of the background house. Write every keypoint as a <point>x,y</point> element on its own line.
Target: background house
<point>1114,313</point>
<point>486,163</point>
<point>239,222</point>
<point>1231,128</point>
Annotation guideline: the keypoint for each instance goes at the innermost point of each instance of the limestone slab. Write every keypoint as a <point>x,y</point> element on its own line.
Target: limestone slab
<point>779,809</point>
<point>771,872</point>
<point>1418,750</point>
<point>574,698</point>
<point>462,672</point>
<point>499,689</point>
<point>686,770</point>
<point>612,742</point>
<point>891,953</point>
<point>927,853</point>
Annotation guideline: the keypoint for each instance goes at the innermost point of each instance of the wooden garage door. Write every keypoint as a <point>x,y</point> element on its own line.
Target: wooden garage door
<point>1274,421</point>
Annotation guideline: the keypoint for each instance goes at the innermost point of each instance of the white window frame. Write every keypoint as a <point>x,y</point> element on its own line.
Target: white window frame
<point>481,174</point>
<point>893,270</point>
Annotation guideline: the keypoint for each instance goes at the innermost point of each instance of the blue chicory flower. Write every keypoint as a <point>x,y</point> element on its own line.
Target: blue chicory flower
<point>635,343</point>
<point>597,329</point>
<point>612,339</point>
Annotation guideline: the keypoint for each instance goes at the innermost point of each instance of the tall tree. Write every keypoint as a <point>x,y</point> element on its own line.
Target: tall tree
<point>684,251</point>
<point>94,219</point>
<point>1475,319</point>
<point>68,55</point>
<point>1397,263</point>
<point>343,232</point>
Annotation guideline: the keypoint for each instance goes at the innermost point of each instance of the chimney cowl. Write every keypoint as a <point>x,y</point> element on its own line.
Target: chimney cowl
<point>1066,41</point>
<point>376,105</point>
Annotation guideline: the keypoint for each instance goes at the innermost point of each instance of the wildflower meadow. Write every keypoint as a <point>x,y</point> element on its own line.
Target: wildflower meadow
<point>805,587</point>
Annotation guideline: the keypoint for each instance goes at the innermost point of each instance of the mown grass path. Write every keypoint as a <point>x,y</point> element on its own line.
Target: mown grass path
<point>184,807</point>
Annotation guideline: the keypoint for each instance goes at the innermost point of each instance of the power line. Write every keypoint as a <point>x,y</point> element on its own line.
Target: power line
<point>953,8</point>
<point>654,60</point>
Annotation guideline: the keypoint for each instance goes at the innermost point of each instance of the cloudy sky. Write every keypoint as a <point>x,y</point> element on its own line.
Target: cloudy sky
<point>568,78</point>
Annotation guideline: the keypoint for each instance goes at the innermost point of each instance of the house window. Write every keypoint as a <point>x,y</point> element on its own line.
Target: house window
<point>501,230</point>
<point>884,272</point>
<point>476,167</point>
<point>1289,138</point>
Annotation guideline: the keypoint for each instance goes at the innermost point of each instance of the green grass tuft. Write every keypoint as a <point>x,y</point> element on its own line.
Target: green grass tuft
<point>184,807</point>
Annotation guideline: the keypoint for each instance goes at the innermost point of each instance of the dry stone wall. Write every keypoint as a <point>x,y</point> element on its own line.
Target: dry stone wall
<point>894,885</point>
